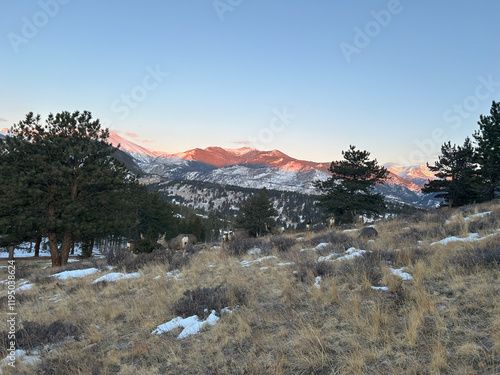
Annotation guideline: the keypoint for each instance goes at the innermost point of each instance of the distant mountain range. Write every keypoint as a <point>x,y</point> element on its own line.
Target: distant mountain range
<point>251,168</point>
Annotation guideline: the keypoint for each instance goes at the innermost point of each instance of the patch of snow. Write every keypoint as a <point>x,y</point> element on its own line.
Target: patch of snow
<point>25,287</point>
<point>76,273</point>
<point>400,272</point>
<point>470,237</point>
<point>286,264</point>
<point>191,325</point>
<point>350,253</point>
<point>380,287</point>
<point>255,250</point>
<point>321,245</point>
<point>115,276</point>
<point>247,263</point>
<point>318,280</point>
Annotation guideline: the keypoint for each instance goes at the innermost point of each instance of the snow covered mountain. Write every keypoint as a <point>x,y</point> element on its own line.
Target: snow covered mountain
<point>418,174</point>
<point>251,168</point>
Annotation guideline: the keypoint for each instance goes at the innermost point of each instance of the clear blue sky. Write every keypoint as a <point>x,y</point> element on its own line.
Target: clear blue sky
<point>397,78</point>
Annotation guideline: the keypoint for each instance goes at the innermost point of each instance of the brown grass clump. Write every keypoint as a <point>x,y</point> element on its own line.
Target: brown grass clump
<point>290,313</point>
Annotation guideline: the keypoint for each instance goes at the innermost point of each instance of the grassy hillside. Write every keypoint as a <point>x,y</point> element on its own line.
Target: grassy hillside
<point>418,299</point>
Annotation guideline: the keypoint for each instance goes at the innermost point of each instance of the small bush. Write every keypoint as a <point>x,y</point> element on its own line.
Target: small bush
<point>133,262</point>
<point>487,258</point>
<point>201,301</point>
<point>340,241</point>
<point>368,264</point>
<point>241,246</point>
<point>308,270</point>
<point>282,243</point>
<point>33,335</point>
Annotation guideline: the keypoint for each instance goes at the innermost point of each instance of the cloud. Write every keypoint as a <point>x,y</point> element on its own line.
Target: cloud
<point>148,141</point>
<point>2,119</point>
<point>131,135</point>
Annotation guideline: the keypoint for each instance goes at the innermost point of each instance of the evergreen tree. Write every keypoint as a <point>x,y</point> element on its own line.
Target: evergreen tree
<point>257,212</point>
<point>349,191</point>
<point>67,182</point>
<point>458,180</point>
<point>488,150</point>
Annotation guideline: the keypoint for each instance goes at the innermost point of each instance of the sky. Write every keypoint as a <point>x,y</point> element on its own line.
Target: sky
<point>397,78</point>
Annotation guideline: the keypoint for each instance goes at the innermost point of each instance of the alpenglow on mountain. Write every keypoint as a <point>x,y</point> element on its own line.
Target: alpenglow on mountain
<point>251,168</point>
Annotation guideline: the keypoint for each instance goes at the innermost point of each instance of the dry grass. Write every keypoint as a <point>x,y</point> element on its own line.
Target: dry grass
<point>444,321</point>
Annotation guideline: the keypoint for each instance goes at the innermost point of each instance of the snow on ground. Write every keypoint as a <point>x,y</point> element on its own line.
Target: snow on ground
<point>350,253</point>
<point>115,276</point>
<point>400,272</point>
<point>248,263</point>
<point>318,280</point>
<point>472,217</point>
<point>191,325</point>
<point>384,288</point>
<point>471,237</point>
<point>76,273</point>
<point>20,356</point>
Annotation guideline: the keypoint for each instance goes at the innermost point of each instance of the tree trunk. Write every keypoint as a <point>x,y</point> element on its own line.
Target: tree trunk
<point>72,247</point>
<point>54,252</point>
<point>37,245</point>
<point>66,247</point>
<point>11,252</point>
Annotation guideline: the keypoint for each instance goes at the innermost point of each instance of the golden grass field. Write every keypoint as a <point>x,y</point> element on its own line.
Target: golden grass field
<point>445,320</point>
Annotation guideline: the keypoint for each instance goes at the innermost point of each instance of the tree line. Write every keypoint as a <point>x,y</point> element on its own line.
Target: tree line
<point>60,180</point>
<point>470,173</point>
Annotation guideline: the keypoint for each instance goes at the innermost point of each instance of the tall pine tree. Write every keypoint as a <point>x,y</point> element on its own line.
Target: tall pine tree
<point>67,182</point>
<point>257,212</point>
<point>349,191</point>
<point>488,150</point>
<point>458,180</point>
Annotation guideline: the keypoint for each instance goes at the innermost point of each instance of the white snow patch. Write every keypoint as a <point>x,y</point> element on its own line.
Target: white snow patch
<point>350,253</point>
<point>318,280</point>
<point>400,272</point>
<point>470,237</point>
<point>380,287</point>
<point>76,273</point>
<point>115,276</point>
<point>248,263</point>
<point>255,250</point>
<point>21,355</point>
<point>191,325</point>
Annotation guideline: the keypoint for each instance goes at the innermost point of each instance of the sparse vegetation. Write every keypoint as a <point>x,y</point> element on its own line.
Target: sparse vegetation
<point>290,312</point>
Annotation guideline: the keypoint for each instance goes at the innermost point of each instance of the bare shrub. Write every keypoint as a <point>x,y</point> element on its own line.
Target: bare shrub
<point>34,335</point>
<point>241,246</point>
<point>366,265</point>
<point>134,262</point>
<point>307,270</point>
<point>282,243</point>
<point>410,235</point>
<point>340,241</point>
<point>478,258</point>
<point>201,301</point>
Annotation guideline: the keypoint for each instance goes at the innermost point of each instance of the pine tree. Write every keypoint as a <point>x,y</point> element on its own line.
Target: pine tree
<point>66,180</point>
<point>257,212</point>
<point>488,150</point>
<point>349,191</point>
<point>458,180</point>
